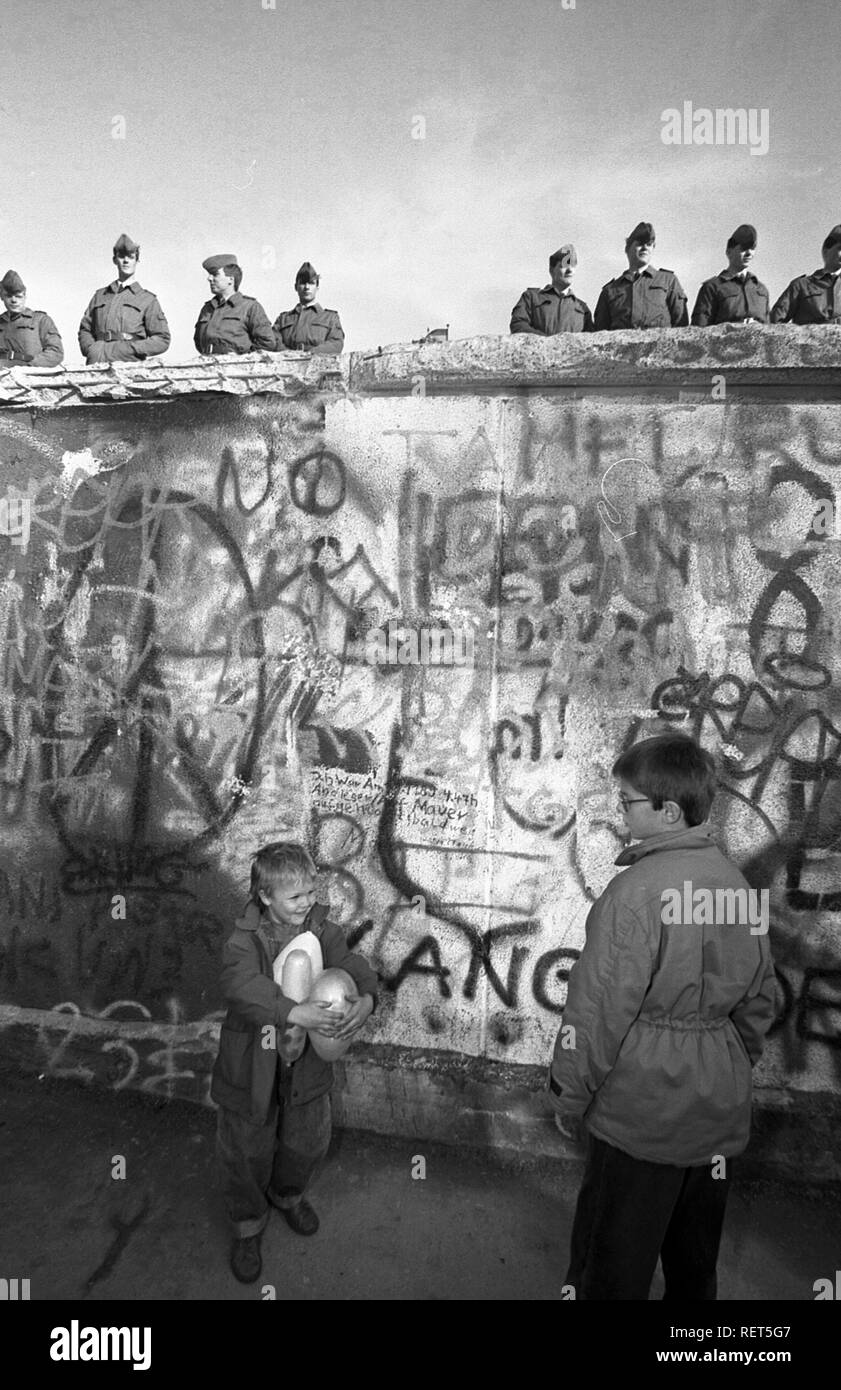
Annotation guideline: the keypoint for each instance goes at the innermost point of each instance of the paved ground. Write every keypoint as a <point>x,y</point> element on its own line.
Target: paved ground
<point>470,1230</point>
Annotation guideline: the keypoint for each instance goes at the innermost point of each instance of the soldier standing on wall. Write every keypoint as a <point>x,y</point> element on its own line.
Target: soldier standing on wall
<point>735,295</point>
<point>554,309</point>
<point>308,327</point>
<point>123,322</point>
<point>26,335</point>
<point>231,322</point>
<point>642,297</point>
<point>814,298</point>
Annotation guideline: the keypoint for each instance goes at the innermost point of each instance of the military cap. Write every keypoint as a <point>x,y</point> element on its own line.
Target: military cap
<point>643,231</point>
<point>307,274</point>
<point>218,262</point>
<point>567,254</point>
<point>124,246</point>
<point>12,283</point>
<point>744,235</point>
<point>832,238</point>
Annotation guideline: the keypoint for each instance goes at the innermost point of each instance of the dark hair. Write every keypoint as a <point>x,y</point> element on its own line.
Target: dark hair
<point>235,272</point>
<point>284,859</point>
<point>671,767</point>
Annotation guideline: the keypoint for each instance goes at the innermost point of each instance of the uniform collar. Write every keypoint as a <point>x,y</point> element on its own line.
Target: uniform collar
<point>232,299</point>
<point>729,274</point>
<point>694,837</point>
<point>300,308</point>
<point>561,294</point>
<point>120,287</point>
<point>645,270</point>
<point>14,314</point>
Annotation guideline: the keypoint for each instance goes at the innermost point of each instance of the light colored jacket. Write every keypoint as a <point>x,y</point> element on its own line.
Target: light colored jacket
<point>668,1020</point>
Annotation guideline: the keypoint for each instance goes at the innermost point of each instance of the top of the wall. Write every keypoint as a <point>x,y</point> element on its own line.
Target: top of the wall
<point>750,357</point>
<point>759,355</point>
<point>253,373</point>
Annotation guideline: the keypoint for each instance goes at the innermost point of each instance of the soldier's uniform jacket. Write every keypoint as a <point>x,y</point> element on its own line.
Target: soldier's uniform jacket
<point>727,298</point>
<point>30,336</point>
<point>239,324</point>
<point>653,299</point>
<point>814,298</point>
<point>547,312</point>
<point>309,328</point>
<point>122,325</point>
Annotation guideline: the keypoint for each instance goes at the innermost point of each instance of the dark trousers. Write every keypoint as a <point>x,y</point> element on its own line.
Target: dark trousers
<point>630,1211</point>
<point>278,1158</point>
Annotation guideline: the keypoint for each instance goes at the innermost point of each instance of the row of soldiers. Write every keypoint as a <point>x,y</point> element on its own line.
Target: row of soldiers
<point>645,297</point>
<point>124,322</point>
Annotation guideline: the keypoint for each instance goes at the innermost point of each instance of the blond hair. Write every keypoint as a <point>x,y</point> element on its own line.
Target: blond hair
<point>284,859</point>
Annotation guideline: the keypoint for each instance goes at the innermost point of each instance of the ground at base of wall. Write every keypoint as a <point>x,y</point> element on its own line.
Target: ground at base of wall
<point>465,1227</point>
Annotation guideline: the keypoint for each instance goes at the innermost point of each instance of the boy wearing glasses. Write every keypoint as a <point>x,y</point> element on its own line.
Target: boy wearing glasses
<point>665,1016</point>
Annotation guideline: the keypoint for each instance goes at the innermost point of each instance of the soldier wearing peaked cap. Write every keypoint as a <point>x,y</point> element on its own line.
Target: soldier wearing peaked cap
<point>27,336</point>
<point>554,309</point>
<point>308,327</point>
<point>230,322</point>
<point>123,322</point>
<point>735,295</point>
<point>814,298</point>
<point>642,297</point>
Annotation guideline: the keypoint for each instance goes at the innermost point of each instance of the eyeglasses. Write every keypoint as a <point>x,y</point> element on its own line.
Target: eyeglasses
<point>626,801</point>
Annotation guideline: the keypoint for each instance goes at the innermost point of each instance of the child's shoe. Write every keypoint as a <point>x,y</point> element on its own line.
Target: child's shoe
<point>301,1217</point>
<point>246,1262</point>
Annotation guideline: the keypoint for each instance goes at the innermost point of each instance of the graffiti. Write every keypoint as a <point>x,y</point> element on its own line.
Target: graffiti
<point>183,677</point>
<point>764,735</point>
<point>317,483</point>
<point>123,1046</point>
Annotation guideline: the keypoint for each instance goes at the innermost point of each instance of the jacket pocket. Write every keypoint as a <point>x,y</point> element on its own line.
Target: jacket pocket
<point>656,309</point>
<point>813,305</point>
<point>233,1065</point>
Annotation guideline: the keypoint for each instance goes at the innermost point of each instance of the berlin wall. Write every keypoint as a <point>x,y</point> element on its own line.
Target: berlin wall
<point>623,524</point>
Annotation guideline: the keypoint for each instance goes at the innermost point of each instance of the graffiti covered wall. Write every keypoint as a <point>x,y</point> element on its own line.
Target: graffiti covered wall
<point>186,673</point>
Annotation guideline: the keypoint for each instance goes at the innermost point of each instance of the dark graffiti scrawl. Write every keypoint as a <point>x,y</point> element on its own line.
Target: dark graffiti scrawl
<point>184,675</point>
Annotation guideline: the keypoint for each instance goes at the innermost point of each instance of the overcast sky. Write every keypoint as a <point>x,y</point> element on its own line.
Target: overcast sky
<point>287,133</point>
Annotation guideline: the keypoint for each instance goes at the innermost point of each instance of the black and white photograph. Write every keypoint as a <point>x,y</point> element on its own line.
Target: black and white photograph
<point>420,672</point>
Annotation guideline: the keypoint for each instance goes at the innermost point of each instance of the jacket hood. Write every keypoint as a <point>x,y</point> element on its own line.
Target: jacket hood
<point>695,837</point>
<point>252,918</point>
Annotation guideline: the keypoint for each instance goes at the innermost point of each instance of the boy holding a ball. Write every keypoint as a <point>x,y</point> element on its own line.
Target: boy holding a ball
<point>271,1086</point>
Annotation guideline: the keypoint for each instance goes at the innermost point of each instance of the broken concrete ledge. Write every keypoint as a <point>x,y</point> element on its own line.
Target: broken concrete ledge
<point>743,354</point>
<point>402,1092</point>
<point>253,373</point>
<point>749,357</point>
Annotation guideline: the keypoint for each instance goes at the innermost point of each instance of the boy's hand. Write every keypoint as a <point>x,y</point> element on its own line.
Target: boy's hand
<point>353,1021</point>
<point>571,1128</point>
<point>317,1015</point>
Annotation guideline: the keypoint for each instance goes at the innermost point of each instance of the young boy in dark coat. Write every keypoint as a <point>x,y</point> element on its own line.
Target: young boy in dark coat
<point>273,1125</point>
<point>665,1016</point>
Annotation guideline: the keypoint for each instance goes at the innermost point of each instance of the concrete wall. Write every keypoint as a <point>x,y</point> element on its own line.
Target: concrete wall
<point>622,523</point>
